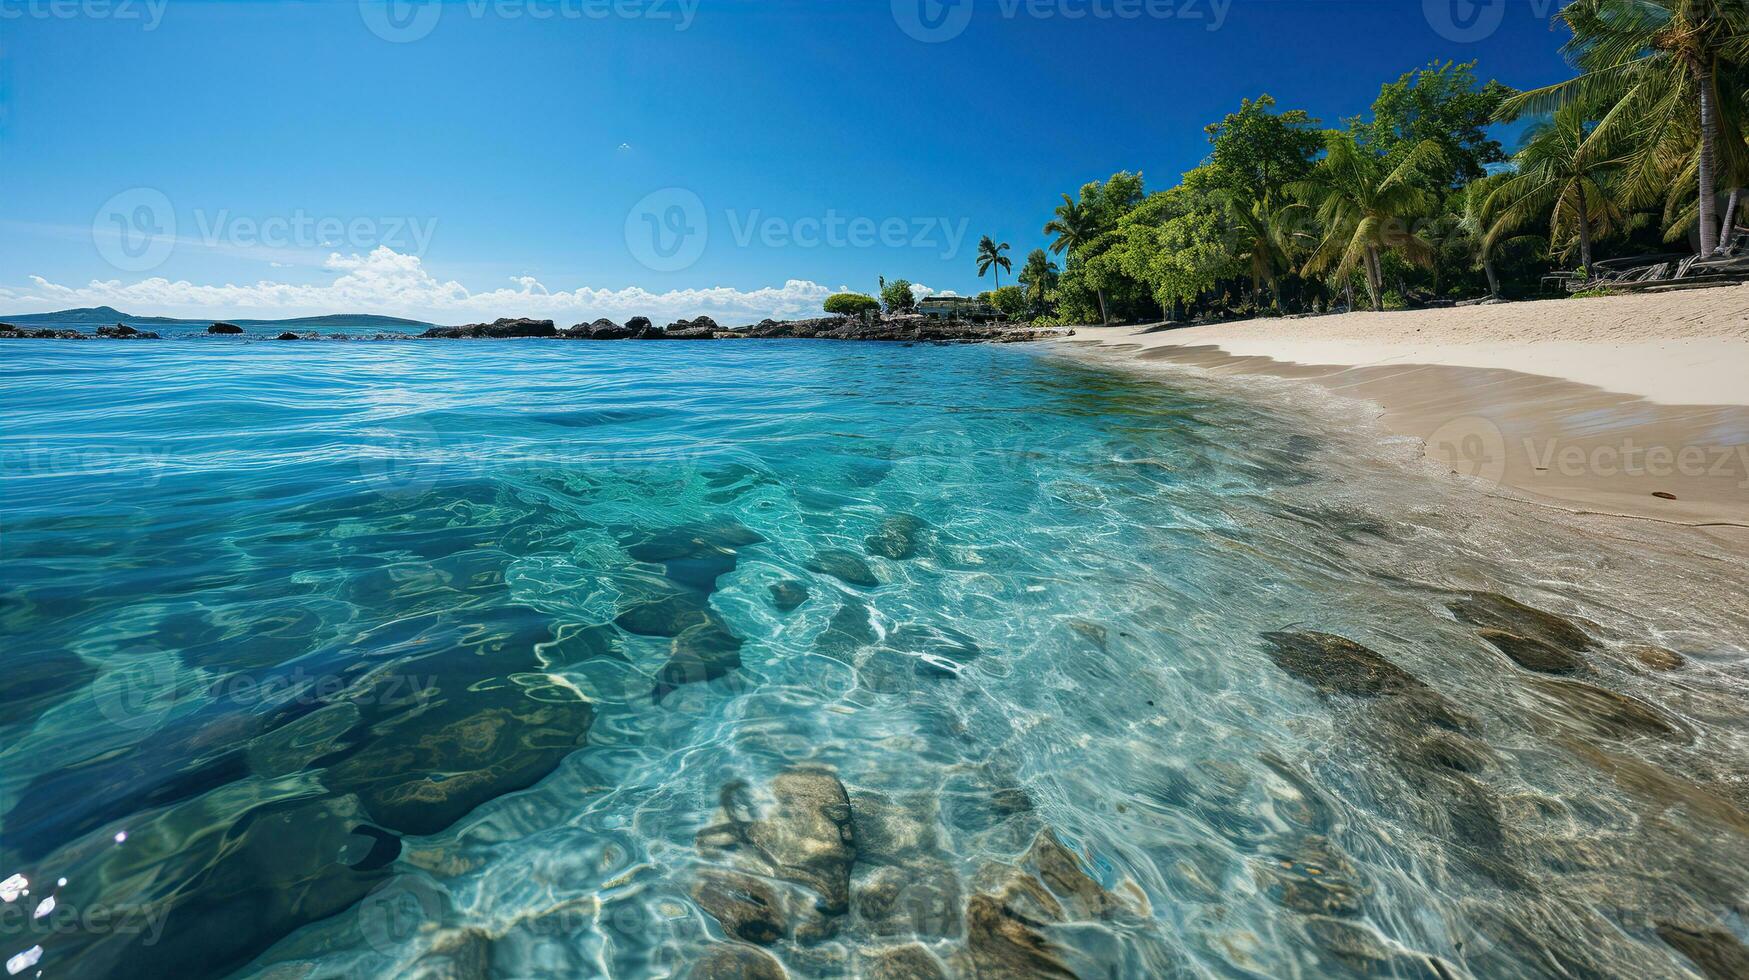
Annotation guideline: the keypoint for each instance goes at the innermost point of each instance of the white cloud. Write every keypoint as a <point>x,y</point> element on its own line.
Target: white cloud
<point>387,282</point>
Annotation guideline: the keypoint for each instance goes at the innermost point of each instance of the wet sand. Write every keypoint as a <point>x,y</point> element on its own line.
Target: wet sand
<point>1633,406</point>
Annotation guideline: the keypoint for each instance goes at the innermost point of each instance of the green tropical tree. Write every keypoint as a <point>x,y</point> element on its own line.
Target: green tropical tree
<point>1564,172</point>
<point>1038,278</point>
<point>1657,65</point>
<point>1266,237</point>
<point>1367,207</point>
<point>1073,227</point>
<point>990,257</point>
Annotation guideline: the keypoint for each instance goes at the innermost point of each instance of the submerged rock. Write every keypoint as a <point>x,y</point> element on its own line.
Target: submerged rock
<point>698,656</point>
<point>1491,610</point>
<point>896,538</point>
<point>1314,879</point>
<point>667,616</point>
<point>38,680</point>
<point>1719,955</point>
<point>789,595</point>
<point>1657,658</point>
<point>1062,873</point>
<point>276,868</point>
<point>1606,713</point>
<point>731,961</point>
<point>1337,665</point>
<point>788,868</point>
<point>810,836</point>
<point>922,898</point>
<point>845,566</point>
<point>1532,654</point>
<point>1001,942</point>
<point>746,907</point>
<point>912,962</point>
<point>422,770</point>
<point>850,629</point>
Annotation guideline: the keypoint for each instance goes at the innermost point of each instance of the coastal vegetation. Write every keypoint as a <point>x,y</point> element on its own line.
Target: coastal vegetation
<point>1417,202</point>
<point>851,304</point>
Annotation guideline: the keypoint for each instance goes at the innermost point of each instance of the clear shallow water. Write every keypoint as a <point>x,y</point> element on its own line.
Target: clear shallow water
<point>528,660</point>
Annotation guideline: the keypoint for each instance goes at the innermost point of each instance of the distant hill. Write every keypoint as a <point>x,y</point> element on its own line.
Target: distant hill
<point>105,315</point>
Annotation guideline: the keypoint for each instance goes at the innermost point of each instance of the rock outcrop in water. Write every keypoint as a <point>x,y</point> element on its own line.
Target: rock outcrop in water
<point>904,329</point>
<point>503,329</point>
<point>122,331</point>
<point>12,332</point>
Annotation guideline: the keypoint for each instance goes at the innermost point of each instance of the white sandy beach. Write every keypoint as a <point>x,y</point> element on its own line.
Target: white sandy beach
<point>1635,406</point>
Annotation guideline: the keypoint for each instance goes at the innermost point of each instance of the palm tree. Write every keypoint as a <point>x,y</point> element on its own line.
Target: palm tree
<point>1074,228</point>
<point>1649,61</point>
<point>1365,209</point>
<point>1475,221</point>
<point>1039,276</point>
<point>1266,239</point>
<point>1562,171</point>
<point>990,257</point>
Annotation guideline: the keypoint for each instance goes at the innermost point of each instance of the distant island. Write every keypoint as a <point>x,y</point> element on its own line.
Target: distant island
<point>106,315</point>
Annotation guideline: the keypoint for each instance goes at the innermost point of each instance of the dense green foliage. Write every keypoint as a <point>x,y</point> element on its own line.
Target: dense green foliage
<point>896,296</point>
<point>1417,202</point>
<point>851,304</point>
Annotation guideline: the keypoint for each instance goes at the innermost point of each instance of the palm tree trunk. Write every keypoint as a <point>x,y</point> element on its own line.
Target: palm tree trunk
<point>1374,281</point>
<point>1709,136</point>
<point>1348,292</point>
<point>1493,276</point>
<point>1279,308</point>
<point>1584,237</point>
<point>1104,317</point>
<point>1728,226</point>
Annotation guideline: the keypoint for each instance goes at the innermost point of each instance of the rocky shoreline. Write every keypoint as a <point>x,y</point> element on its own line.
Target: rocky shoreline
<point>906,329</point>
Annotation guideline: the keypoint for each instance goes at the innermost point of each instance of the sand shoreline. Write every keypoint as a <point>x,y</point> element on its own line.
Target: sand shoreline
<point>1631,407</point>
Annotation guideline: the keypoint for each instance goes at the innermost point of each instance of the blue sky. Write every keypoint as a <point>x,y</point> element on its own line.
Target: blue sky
<point>575,158</point>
